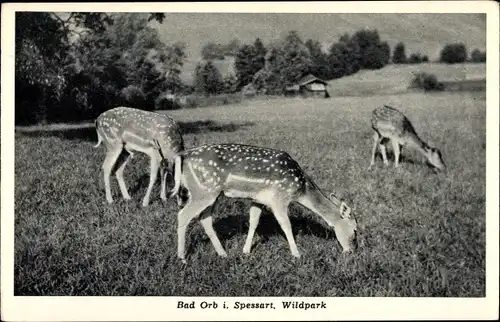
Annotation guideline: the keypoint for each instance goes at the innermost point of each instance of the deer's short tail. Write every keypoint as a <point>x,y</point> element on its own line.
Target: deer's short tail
<point>99,138</point>
<point>177,176</point>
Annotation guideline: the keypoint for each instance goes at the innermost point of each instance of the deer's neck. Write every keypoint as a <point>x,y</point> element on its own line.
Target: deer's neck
<point>315,200</point>
<point>417,144</point>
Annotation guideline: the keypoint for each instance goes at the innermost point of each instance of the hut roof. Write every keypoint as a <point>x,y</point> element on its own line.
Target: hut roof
<point>309,79</point>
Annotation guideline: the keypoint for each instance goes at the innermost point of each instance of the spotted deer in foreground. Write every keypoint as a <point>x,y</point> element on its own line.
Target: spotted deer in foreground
<point>390,124</point>
<point>266,176</point>
<point>124,130</point>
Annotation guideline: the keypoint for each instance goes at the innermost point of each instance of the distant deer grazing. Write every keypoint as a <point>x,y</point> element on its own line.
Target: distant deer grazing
<point>124,130</point>
<point>266,176</point>
<point>390,124</point>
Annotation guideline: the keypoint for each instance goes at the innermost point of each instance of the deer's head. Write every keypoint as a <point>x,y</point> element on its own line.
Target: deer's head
<point>346,227</point>
<point>434,158</point>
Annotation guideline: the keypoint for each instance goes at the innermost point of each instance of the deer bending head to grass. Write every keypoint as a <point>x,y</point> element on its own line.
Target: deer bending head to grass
<point>124,130</point>
<point>390,124</point>
<point>266,176</point>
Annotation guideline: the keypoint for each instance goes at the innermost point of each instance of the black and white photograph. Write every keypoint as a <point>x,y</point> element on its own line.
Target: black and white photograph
<point>246,161</point>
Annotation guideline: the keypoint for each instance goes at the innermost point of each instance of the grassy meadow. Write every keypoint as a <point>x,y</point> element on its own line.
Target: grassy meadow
<point>420,233</point>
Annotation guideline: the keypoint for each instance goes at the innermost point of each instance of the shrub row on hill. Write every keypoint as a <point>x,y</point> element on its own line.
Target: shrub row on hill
<point>427,82</point>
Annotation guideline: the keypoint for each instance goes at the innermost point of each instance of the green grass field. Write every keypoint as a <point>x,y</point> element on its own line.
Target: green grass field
<point>421,234</point>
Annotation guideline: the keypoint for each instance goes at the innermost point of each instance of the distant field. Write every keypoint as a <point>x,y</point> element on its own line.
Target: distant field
<point>421,234</point>
<point>396,78</point>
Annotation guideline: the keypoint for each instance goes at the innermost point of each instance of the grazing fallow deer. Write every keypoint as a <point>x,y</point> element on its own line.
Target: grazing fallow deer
<point>266,176</point>
<point>390,124</point>
<point>124,130</point>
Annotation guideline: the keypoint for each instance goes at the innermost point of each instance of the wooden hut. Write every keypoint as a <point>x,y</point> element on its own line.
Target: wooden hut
<point>311,86</point>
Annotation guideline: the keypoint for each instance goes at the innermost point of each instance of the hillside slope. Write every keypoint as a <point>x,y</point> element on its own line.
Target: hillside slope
<point>424,33</point>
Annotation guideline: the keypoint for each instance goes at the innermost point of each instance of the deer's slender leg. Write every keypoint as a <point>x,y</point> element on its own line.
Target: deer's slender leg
<point>163,178</point>
<point>280,211</point>
<point>376,141</point>
<point>207,223</point>
<point>383,152</point>
<point>191,210</point>
<point>255,212</point>
<point>154,166</point>
<point>122,161</point>
<point>397,151</point>
<point>109,162</point>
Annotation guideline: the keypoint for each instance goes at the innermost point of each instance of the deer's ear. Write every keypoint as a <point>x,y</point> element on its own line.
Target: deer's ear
<point>345,210</point>
<point>332,196</point>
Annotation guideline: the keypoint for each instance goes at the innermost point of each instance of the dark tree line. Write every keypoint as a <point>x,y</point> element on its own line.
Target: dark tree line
<point>270,70</point>
<point>399,56</point>
<point>450,54</point>
<point>284,62</point>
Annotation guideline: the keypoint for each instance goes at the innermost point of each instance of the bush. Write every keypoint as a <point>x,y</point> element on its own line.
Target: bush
<point>373,53</point>
<point>416,58</point>
<point>399,56</point>
<point>134,97</point>
<point>166,102</point>
<point>478,56</point>
<point>453,53</point>
<point>427,82</point>
<point>208,80</point>
<point>364,50</point>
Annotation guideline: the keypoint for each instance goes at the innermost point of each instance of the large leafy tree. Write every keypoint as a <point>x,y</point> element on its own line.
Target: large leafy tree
<point>64,61</point>
<point>130,53</point>
<point>399,55</point>
<point>374,53</point>
<point>44,60</point>
<point>453,53</point>
<point>344,57</point>
<point>296,58</point>
<point>319,60</point>
<point>208,80</point>
<point>286,61</point>
<point>244,65</point>
<point>249,60</point>
<point>271,77</point>
<point>259,59</point>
